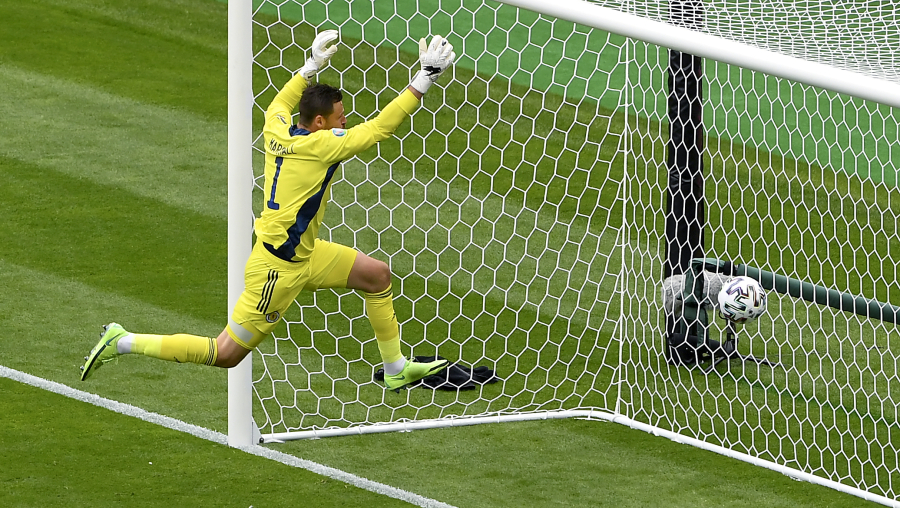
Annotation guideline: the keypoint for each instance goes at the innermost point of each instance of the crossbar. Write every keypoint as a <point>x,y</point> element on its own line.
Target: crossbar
<point>717,48</point>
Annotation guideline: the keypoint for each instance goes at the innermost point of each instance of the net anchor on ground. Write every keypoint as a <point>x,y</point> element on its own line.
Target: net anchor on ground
<point>729,351</point>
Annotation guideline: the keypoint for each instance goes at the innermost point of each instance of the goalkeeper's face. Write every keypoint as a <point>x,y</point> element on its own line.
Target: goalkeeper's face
<point>336,120</point>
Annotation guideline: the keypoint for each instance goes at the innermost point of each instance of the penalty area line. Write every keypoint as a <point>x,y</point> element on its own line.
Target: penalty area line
<point>218,437</point>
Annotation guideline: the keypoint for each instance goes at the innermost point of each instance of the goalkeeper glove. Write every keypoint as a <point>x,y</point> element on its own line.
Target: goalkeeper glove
<point>435,59</point>
<point>320,54</point>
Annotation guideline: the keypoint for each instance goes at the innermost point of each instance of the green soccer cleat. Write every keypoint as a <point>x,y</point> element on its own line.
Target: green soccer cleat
<point>412,372</point>
<point>104,351</point>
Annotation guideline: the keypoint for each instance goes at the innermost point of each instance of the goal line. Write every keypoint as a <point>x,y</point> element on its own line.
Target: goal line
<point>219,438</point>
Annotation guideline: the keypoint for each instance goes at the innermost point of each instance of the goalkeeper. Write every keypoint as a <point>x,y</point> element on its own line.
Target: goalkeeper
<point>301,162</point>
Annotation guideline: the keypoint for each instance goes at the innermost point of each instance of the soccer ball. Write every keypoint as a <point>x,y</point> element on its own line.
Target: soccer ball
<point>742,299</point>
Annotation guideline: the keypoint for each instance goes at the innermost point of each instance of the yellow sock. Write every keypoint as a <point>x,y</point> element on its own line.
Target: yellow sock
<point>181,348</point>
<point>380,311</point>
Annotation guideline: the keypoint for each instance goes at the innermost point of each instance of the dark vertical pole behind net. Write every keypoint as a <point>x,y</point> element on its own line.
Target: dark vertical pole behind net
<point>685,206</point>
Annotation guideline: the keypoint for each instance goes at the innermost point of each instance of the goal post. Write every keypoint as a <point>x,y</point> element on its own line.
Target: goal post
<point>522,211</point>
<point>240,209</point>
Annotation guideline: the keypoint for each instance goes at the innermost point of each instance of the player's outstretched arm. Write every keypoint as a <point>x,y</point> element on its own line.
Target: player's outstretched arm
<point>435,58</point>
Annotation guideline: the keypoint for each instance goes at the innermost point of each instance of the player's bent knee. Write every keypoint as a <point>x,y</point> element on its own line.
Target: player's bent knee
<point>382,276</point>
<point>229,361</point>
<point>369,275</point>
<point>230,353</point>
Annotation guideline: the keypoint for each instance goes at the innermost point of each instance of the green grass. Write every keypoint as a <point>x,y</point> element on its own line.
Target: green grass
<point>572,463</point>
<point>112,459</point>
<point>112,149</point>
<point>523,195</point>
<point>142,464</point>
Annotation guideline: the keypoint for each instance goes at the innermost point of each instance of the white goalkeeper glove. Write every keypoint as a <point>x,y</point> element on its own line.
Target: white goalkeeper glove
<point>435,59</point>
<point>320,54</point>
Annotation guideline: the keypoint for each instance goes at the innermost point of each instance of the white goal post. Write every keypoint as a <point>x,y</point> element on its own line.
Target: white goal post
<point>240,210</point>
<point>523,211</point>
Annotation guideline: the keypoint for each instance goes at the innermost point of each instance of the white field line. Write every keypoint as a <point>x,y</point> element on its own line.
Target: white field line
<point>218,437</point>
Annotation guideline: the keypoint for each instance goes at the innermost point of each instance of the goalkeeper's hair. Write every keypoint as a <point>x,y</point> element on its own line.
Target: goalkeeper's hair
<point>316,100</point>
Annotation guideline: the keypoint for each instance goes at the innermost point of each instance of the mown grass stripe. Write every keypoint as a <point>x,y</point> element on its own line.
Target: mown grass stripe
<point>218,437</point>
<point>169,155</point>
<point>112,239</point>
<point>162,20</point>
<point>51,322</point>
<point>125,48</point>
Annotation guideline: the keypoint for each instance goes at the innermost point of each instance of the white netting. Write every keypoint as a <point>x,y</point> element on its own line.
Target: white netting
<point>522,212</point>
<point>492,205</point>
<point>856,35</point>
<point>799,182</point>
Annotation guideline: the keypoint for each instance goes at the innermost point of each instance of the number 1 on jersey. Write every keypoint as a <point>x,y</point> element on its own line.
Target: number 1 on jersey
<point>271,203</point>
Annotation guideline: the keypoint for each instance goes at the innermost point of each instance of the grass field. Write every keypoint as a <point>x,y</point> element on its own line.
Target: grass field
<point>112,136</point>
<point>520,271</point>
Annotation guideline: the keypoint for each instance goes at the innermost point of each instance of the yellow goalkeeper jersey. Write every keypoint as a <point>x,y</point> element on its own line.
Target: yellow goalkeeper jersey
<point>300,167</point>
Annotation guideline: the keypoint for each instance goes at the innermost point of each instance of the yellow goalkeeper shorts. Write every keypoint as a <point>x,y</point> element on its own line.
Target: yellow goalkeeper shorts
<point>271,284</point>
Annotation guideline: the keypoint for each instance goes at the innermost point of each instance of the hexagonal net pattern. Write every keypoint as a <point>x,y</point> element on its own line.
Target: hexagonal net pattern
<point>521,210</point>
<point>801,182</point>
<point>497,206</point>
<point>856,35</point>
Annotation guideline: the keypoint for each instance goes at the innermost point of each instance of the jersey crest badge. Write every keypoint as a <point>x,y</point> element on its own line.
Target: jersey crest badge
<point>338,132</point>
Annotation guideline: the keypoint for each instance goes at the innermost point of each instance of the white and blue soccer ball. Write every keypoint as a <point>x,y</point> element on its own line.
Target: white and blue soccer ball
<point>742,299</point>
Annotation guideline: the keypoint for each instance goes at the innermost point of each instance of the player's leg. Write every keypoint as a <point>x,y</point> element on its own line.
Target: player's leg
<point>270,286</point>
<point>373,278</point>
<point>230,352</point>
<point>222,351</point>
<point>336,266</point>
<point>181,348</point>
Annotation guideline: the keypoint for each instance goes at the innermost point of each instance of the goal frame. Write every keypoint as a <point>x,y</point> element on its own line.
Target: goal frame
<point>242,431</point>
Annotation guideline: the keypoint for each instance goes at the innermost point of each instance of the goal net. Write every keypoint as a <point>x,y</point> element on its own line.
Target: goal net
<point>497,206</point>
<point>522,212</point>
